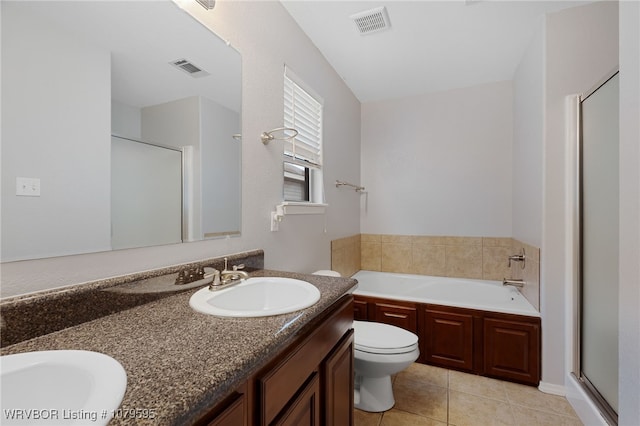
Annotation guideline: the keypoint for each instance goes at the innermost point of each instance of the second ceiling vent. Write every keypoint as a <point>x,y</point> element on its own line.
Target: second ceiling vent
<point>189,67</point>
<point>372,21</point>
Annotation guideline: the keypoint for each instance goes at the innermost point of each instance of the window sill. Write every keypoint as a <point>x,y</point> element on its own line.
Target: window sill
<point>293,207</point>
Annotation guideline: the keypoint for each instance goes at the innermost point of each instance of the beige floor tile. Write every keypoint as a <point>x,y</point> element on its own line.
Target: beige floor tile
<point>477,385</point>
<point>426,374</point>
<point>402,418</point>
<point>530,397</point>
<point>427,395</point>
<point>466,409</point>
<point>529,417</point>
<point>421,398</point>
<point>363,418</point>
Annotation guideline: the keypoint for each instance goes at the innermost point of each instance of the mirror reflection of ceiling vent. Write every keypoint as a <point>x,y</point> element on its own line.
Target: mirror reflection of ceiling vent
<point>371,21</point>
<point>188,67</point>
<point>207,4</point>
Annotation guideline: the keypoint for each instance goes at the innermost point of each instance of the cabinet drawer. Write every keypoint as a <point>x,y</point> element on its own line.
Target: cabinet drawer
<point>398,315</point>
<point>360,310</point>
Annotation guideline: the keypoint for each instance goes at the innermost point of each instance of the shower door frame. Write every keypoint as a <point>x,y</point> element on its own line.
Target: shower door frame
<point>606,410</point>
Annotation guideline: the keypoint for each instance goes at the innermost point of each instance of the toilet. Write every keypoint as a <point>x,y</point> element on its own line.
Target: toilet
<point>381,350</point>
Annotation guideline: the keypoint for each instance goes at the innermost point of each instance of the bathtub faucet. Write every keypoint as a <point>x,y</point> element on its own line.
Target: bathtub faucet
<point>517,258</point>
<point>515,283</point>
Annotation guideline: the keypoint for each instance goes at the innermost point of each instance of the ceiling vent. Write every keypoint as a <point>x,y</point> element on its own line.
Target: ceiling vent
<point>188,67</point>
<point>207,4</point>
<point>372,21</point>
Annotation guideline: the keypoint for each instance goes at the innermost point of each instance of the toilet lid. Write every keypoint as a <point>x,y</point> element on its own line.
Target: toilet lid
<point>375,337</point>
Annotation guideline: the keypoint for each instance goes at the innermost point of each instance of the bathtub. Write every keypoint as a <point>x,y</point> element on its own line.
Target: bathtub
<point>458,292</point>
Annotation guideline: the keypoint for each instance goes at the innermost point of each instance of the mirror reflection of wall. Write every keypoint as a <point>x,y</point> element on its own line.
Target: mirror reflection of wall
<point>73,74</point>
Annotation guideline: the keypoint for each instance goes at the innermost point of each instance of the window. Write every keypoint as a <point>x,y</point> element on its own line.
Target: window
<point>302,154</point>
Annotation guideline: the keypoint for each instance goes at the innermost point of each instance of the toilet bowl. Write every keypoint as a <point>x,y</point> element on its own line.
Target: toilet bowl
<point>381,350</point>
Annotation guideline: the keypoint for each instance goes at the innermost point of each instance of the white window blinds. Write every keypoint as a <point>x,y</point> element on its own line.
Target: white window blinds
<point>303,113</point>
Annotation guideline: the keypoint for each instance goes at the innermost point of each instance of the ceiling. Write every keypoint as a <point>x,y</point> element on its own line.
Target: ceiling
<point>430,45</point>
<point>141,48</point>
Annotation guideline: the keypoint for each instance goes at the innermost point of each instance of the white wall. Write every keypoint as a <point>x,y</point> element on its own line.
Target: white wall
<point>581,48</point>
<point>629,348</point>
<point>440,163</point>
<point>528,111</point>
<point>35,142</point>
<point>177,123</point>
<point>220,168</point>
<point>126,121</point>
<point>267,37</point>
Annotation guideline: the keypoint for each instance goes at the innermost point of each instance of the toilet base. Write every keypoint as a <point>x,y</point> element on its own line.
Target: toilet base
<point>373,394</point>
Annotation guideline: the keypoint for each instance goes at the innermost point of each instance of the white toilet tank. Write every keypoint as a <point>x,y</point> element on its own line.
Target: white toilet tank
<point>327,272</point>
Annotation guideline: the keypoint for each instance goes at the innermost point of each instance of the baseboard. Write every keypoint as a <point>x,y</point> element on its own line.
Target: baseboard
<point>582,404</point>
<point>552,389</point>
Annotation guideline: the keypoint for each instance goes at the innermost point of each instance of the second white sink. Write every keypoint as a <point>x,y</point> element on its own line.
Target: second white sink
<point>65,387</point>
<point>256,297</point>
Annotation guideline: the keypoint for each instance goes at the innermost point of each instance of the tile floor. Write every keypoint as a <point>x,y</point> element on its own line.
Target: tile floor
<point>433,396</point>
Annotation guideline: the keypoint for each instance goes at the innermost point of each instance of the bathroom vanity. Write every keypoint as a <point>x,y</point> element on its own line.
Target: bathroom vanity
<point>310,382</point>
<point>184,367</point>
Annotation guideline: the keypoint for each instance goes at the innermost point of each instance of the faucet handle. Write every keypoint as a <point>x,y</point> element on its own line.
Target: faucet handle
<point>518,258</point>
<point>237,267</point>
<point>216,278</point>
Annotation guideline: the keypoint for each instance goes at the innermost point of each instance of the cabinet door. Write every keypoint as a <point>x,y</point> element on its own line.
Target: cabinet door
<point>338,384</point>
<point>233,415</point>
<point>305,408</point>
<point>403,316</point>
<point>231,411</point>
<point>448,339</point>
<point>512,350</point>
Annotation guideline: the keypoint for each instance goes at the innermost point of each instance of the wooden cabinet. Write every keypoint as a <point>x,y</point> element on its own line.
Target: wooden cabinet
<point>499,345</point>
<point>232,411</point>
<point>511,349</point>
<point>338,384</point>
<point>360,310</point>
<point>234,415</point>
<point>447,339</point>
<point>398,313</point>
<point>309,383</point>
<point>305,408</point>
<point>403,316</point>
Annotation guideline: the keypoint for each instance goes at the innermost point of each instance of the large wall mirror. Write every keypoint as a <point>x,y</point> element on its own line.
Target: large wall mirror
<point>120,128</point>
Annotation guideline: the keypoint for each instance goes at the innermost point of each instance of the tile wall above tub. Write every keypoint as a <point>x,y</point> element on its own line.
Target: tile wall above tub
<point>461,257</point>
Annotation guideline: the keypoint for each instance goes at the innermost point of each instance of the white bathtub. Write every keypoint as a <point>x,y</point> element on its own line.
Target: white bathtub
<point>459,292</point>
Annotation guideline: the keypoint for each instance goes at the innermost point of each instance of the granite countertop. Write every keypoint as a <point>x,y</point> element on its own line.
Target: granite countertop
<point>179,362</point>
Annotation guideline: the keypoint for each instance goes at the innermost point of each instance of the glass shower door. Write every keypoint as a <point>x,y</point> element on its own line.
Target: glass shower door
<point>599,208</point>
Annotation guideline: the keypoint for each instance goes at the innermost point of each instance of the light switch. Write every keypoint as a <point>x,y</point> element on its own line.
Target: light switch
<point>28,187</point>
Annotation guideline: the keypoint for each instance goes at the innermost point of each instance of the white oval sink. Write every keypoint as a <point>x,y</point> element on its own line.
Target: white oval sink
<point>256,297</point>
<point>66,387</point>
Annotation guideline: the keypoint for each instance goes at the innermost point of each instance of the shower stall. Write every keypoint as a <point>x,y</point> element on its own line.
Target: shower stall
<point>596,361</point>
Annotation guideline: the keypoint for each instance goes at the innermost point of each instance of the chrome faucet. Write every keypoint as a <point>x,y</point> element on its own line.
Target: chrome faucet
<point>515,283</point>
<point>215,283</point>
<point>226,277</point>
